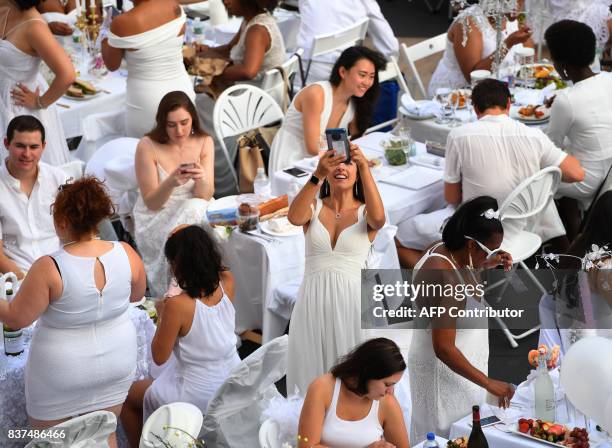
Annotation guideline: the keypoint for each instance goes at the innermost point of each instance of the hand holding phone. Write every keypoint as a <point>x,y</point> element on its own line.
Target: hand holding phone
<point>187,166</point>
<point>337,139</point>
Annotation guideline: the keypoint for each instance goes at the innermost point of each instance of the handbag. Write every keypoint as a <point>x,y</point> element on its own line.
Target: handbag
<point>253,153</point>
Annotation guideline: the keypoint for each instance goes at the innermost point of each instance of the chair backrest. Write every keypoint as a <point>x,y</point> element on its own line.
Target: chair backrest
<point>393,72</point>
<point>91,430</point>
<point>530,197</point>
<point>268,434</point>
<point>177,424</point>
<point>239,109</point>
<point>420,51</point>
<point>274,83</point>
<point>234,413</point>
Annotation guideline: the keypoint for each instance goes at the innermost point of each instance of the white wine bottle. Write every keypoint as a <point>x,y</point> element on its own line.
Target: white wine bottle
<point>544,391</point>
<point>13,339</point>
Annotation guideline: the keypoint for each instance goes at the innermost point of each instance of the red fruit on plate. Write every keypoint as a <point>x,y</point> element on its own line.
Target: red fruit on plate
<point>523,427</point>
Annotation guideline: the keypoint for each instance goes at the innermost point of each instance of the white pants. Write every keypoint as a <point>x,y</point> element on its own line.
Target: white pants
<point>594,174</point>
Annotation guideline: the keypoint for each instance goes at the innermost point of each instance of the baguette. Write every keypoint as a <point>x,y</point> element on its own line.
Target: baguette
<point>273,205</point>
<point>74,92</point>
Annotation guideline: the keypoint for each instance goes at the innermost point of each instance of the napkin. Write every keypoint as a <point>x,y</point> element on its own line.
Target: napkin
<point>429,161</point>
<point>423,108</point>
<point>524,394</point>
<point>535,97</point>
<point>414,178</point>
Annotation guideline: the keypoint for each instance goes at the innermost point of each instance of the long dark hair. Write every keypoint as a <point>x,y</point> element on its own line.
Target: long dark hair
<point>195,261</point>
<point>468,220</point>
<point>598,228</point>
<point>375,359</point>
<point>364,106</point>
<point>357,189</point>
<point>169,103</point>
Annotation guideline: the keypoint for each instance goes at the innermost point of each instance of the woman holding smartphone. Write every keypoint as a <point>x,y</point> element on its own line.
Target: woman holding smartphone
<point>339,225</point>
<point>347,100</point>
<point>174,168</point>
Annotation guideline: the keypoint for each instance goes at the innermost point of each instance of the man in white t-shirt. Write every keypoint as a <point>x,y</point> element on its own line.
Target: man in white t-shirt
<point>28,188</point>
<point>491,156</point>
<point>327,16</point>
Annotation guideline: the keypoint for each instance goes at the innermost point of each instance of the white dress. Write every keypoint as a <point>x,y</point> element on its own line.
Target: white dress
<point>448,72</point>
<point>155,68</point>
<point>289,146</point>
<point>326,321</point>
<point>17,66</point>
<point>204,358</point>
<point>152,229</point>
<point>440,396</point>
<point>83,351</point>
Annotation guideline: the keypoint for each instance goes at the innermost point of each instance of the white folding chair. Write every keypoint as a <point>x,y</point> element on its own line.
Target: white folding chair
<point>338,40</point>
<point>518,214</point>
<point>420,51</point>
<point>391,72</point>
<point>90,430</point>
<point>176,424</point>
<point>268,434</point>
<point>273,80</point>
<point>240,109</point>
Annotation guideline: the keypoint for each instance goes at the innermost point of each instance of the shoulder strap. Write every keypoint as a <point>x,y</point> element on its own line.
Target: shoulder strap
<point>6,17</point>
<point>56,266</point>
<point>336,394</point>
<point>35,19</point>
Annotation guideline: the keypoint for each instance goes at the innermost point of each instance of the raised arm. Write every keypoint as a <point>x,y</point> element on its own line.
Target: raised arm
<point>375,210</point>
<point>113,56</point>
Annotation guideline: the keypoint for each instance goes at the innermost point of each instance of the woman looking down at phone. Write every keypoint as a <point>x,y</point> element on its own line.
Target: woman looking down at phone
<point>448,363</point>
<point>347,100</point>
<point>339,227</point>
<point>174,168</point>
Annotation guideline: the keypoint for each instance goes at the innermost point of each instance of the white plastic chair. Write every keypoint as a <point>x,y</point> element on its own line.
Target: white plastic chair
<point>391,72</point>
<point>234,413</point>
<point>518,213</point>
<point>338,40</point>
<point>90,430</point>
<point>176,424</point>
<point>420,51</point>
<point>239,109</point>
<point>273,81</point>
<point>268,434</point>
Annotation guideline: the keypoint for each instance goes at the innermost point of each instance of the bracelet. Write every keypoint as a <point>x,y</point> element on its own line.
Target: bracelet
<point>39,103</point>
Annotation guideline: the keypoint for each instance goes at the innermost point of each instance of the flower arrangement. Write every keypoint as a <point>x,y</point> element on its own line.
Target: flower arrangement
<point>552,356</point>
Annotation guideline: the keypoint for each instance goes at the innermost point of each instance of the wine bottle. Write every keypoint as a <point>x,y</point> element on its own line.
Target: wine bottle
<point>13,339</point>
<point>544,391</point>
<point>477,438</point>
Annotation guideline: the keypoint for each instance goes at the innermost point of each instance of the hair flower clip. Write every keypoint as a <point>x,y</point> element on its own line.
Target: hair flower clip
<point>491,214</point>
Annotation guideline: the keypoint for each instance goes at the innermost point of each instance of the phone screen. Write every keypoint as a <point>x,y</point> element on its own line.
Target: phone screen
<point>337,140</point>
<point>296,172</point>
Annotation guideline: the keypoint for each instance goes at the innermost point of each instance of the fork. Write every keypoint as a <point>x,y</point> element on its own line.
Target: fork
<point>267,239</point>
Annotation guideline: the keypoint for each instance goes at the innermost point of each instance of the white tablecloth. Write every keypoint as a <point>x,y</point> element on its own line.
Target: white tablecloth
<point>72,117</point>
<point>12,382</point>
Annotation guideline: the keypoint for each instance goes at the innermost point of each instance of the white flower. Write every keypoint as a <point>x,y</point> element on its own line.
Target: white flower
<point>491,214</point>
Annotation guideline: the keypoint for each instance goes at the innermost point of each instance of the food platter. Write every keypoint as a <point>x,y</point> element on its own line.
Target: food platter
<point>81,90</point>
<point>559,435</point>
<point>530,114</point>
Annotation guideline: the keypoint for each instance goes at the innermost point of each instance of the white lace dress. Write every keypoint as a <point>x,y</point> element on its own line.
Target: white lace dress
<point>448,72</point>
<point>17,66</point>
<point>152,229</point>
<point>325,323</point>
<point>440,396</point>
<point>155,67</point>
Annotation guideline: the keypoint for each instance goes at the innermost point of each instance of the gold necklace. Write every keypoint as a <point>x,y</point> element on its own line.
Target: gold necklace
<point>80,241</point>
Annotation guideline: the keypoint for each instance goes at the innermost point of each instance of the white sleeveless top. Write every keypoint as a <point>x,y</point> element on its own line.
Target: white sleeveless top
<point>289,146</point>
<point>340,433</point>
<point>275,55</point>
<point>81,302</point>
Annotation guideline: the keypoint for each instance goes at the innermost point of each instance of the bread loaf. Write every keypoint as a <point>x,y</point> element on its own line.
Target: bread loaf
<point>273,205</point>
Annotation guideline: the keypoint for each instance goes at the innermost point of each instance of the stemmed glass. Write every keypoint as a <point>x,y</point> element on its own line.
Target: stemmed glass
<point>442,96</point>
<point>454,99</point>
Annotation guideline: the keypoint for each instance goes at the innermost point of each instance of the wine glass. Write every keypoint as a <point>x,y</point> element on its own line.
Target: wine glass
<point>442,97</point>
<point>454,100</point>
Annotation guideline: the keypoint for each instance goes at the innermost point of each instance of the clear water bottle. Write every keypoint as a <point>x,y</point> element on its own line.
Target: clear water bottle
<point>544,391</point>
<point>198,31</point>
<point>261,185</point>
<point>431,441</point>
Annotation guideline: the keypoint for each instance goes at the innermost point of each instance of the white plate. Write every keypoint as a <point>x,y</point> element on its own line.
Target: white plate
<point>265,227</point>
<point>514,113</point>
<point>87,97</point>
<point>223,203</point>
<point>514,429</point>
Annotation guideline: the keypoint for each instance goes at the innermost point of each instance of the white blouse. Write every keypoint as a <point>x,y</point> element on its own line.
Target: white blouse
<point>581,119</point>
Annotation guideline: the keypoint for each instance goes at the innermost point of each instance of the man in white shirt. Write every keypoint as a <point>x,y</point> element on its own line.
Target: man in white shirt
<point>491,156</point>
<point>327,16</point>
<point>27,188</point>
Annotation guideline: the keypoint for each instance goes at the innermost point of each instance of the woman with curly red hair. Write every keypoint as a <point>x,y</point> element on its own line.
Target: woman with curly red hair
<point>83,352</point>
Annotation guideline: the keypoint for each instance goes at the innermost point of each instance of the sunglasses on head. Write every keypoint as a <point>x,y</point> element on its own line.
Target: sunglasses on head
<point>490,253</point>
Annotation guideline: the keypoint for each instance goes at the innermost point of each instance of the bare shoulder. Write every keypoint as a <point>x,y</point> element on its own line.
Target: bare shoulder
<point>389,405</point>
<point>312,94</point>
<point>322,387</point>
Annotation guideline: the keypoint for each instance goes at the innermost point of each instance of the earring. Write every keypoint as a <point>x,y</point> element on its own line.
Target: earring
<point>565,74</point>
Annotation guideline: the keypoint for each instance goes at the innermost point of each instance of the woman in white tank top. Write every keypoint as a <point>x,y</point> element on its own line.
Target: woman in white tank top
<point>353,406</point>
<point>197,326</point>
<point>347,100</point>
<point>83,352</point>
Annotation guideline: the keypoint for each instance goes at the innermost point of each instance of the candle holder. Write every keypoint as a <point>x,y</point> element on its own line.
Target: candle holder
<point>88,25</point>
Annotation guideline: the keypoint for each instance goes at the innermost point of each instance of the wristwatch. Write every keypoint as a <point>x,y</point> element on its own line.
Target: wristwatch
<point>315,180</point>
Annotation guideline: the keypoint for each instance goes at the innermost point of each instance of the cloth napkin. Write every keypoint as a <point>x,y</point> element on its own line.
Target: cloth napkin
<point>429,161</point>
<point>419,108</point>
<point>524,394</point>
<point>525,97</point>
